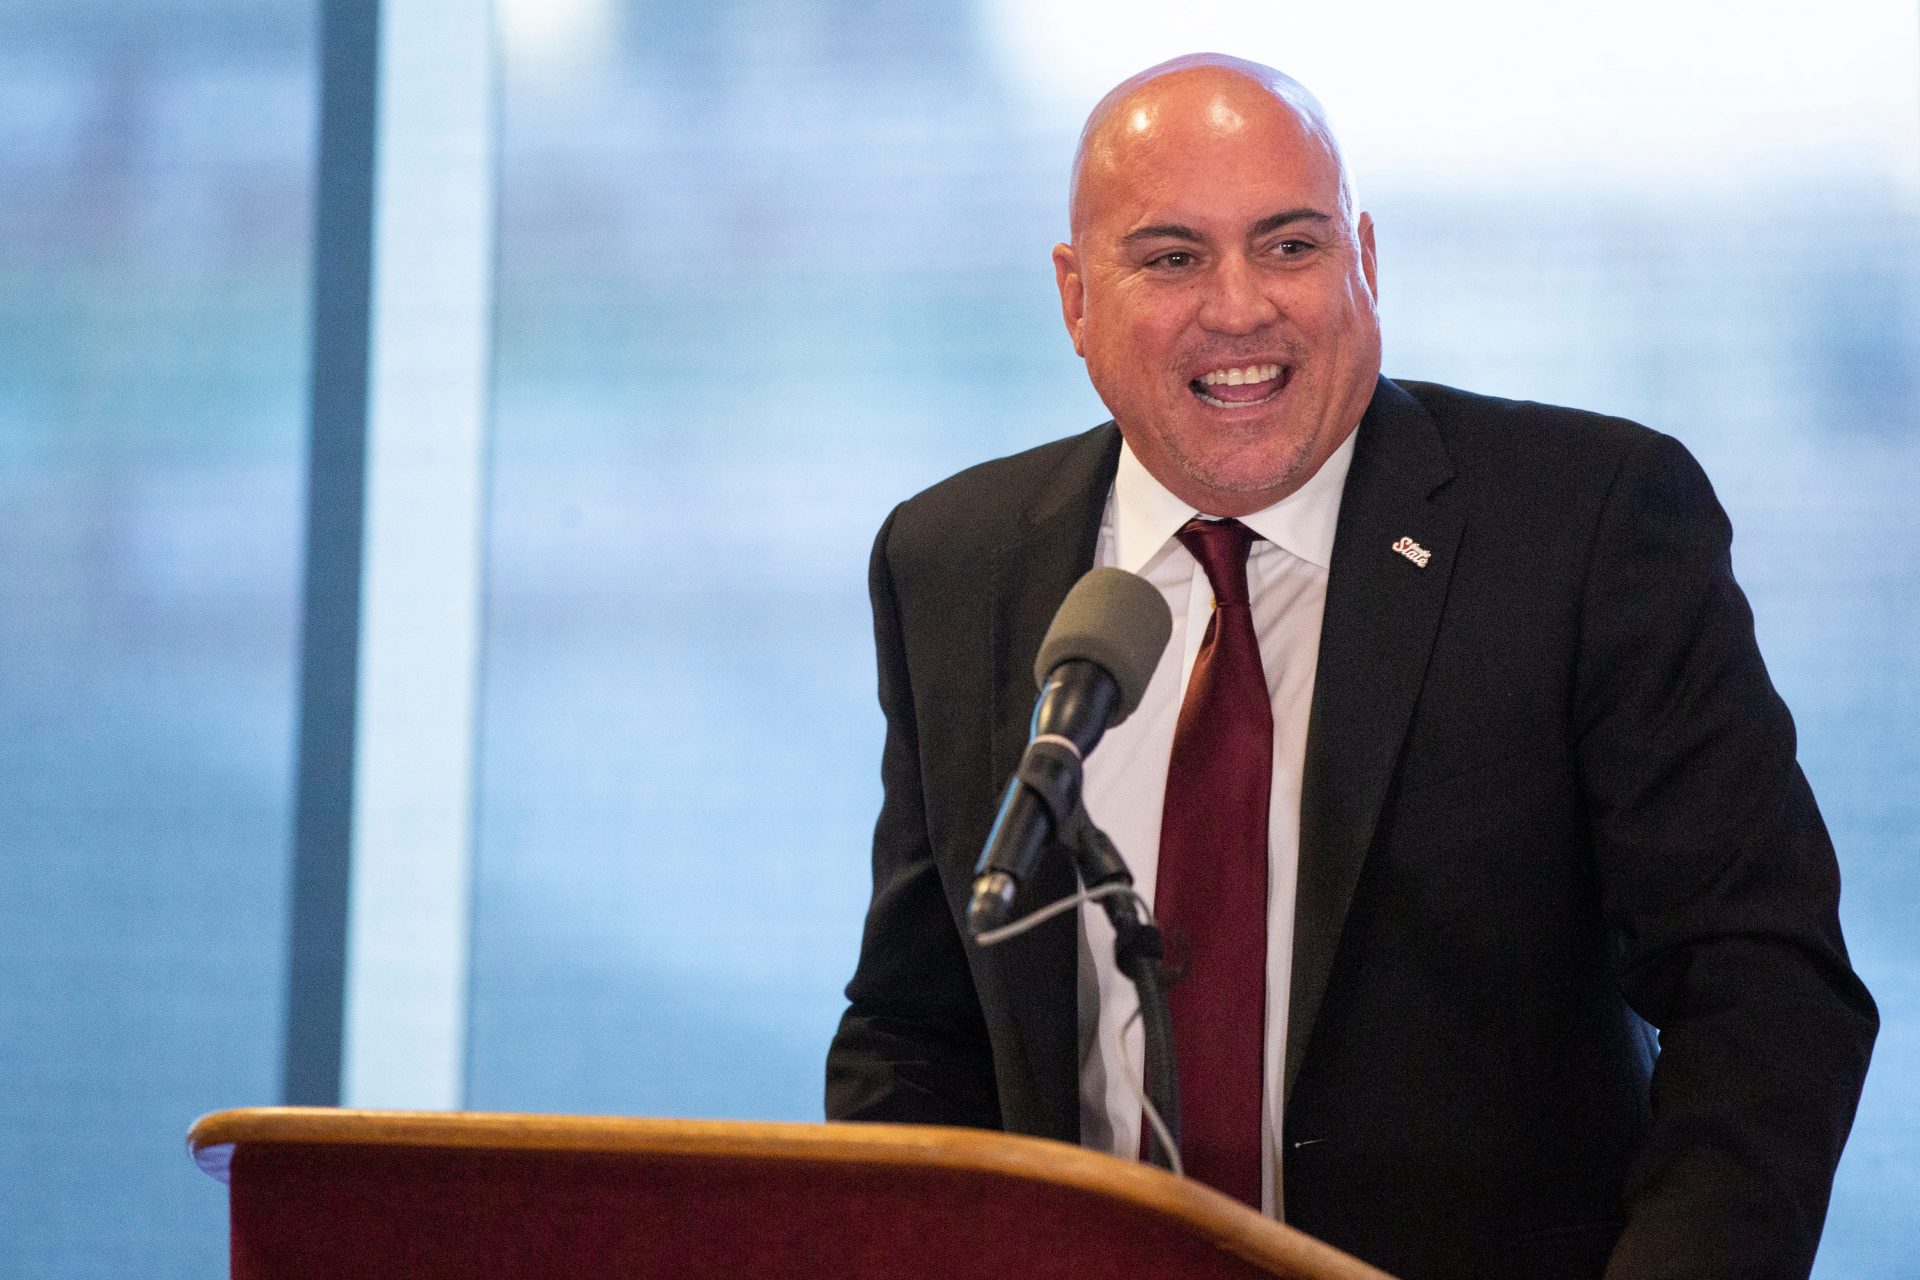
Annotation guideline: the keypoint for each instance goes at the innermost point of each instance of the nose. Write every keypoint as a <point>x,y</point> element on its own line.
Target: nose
<point>1237,300</point>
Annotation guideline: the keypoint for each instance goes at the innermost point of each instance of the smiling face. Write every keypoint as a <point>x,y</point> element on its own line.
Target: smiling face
<point>1218,287</point>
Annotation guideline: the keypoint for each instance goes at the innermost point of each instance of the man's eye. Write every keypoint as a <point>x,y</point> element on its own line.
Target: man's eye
<point>1292,248</point>
<point>1176,260</point>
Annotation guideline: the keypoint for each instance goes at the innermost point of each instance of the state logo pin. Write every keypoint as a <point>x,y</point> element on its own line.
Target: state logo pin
<point>1413,551</point>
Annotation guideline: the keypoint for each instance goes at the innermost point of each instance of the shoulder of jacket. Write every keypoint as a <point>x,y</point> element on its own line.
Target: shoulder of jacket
<point>1471,420</point>
<point>1519,447</point>
<point>988,504</point>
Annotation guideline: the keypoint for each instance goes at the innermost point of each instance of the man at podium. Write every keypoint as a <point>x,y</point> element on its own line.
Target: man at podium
<point>1504,921</point>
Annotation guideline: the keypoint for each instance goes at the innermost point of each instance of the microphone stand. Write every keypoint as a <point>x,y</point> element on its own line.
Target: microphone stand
<point>1138,951</point>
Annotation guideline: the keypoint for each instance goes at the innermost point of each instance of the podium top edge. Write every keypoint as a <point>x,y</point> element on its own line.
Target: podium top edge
<point>214,1138</point>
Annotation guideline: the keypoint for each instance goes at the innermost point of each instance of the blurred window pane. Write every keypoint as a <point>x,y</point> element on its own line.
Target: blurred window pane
<point>156,163</point>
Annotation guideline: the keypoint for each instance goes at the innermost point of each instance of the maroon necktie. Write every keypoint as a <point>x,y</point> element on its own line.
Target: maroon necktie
<point>1211,890</point>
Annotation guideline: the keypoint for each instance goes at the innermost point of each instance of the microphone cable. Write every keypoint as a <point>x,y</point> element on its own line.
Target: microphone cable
<point>1034,919</point>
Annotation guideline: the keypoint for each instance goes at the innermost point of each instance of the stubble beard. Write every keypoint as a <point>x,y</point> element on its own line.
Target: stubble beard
<point>1225,470</point>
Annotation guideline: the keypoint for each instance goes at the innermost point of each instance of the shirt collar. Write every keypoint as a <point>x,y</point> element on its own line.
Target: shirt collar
<point>1146,515</point>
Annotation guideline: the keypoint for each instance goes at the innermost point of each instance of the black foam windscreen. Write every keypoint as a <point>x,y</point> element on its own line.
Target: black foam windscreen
<point>1117,620</point>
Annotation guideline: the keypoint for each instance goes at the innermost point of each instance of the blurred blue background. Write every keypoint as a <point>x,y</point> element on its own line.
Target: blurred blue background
<point>762,269</point>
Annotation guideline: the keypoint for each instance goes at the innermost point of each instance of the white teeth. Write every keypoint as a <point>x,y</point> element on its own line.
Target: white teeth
<point>1240,377</point>
<point>1218,403</point>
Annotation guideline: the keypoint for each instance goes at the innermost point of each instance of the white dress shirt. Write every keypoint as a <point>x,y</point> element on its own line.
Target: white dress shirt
<point>1126,775</point>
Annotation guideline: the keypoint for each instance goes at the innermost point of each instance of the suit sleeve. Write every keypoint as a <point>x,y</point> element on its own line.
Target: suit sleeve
<point>1720,889</point>
<point>912,1046</point>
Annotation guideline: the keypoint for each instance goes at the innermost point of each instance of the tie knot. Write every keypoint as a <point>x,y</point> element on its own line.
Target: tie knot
<point>1221,547</point>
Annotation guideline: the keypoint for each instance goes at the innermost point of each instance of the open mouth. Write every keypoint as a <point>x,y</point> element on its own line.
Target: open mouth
<point>1238,387</point>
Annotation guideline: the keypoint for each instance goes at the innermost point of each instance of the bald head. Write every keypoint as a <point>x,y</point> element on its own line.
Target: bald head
<point>1221,92</point>
<point>1219,283</point>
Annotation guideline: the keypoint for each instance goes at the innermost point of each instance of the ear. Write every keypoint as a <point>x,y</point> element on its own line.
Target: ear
<point>1073,293</point>
<point>1368,264</point>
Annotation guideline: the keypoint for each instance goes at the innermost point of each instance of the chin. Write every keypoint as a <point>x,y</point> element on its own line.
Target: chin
<point>1241,475</point>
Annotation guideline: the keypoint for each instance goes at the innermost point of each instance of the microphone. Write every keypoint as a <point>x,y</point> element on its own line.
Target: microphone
<point>1092,670</point>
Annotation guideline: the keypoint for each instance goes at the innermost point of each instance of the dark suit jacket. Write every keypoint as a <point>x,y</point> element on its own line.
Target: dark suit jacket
<point>1550,803</point>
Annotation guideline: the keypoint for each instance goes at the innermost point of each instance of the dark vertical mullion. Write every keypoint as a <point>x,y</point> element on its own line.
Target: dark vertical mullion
<point>336,497</point>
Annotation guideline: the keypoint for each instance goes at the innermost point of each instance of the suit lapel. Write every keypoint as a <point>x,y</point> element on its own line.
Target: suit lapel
<point>1053,546</point>
<point>1049,551</point>
<point>1382,613</point>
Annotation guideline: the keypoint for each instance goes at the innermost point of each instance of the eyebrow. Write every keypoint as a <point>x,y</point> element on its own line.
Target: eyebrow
<point>1180,231</point>
<point>1279,220</point>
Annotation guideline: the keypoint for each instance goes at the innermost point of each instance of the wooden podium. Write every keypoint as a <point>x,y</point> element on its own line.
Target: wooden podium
<point>323,1194</point>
